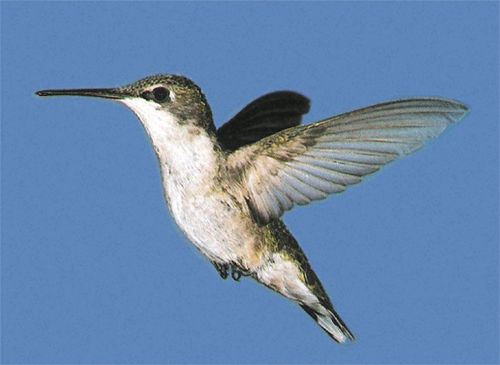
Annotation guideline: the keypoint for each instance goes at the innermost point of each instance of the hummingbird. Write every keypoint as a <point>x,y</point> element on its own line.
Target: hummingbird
<point>228,188</point>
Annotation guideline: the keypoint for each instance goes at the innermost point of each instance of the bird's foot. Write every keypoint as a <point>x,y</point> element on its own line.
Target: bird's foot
<point>237,273</point>
<point>222,269</point>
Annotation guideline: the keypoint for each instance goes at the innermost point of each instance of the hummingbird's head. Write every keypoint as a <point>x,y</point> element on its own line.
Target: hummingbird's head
<point>156,99</point>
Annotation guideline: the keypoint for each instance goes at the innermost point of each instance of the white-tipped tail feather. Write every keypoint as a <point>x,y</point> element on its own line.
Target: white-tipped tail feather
<point>289,279</point>
<point>330,322</point>
<point>327,324</point>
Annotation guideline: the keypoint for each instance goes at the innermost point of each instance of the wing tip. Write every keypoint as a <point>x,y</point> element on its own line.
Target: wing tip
<point>464,109</point>
<point>303,103</point>
<point>458,110</point>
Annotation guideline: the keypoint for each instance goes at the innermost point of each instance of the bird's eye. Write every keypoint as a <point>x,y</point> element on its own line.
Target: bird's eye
<point>161,94</point>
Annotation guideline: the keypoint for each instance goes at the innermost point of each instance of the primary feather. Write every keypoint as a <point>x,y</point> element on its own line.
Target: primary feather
<point>263,117</point>
<point>306,163</point>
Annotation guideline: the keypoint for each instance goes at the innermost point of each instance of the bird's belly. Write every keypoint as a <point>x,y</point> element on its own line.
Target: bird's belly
<point>215,226</point>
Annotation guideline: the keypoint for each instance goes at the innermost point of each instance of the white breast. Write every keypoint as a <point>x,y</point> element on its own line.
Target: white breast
<point>188,165</point>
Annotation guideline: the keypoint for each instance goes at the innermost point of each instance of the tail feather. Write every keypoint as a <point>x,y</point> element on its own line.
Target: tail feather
<point>331,323</point>
<point>289,273</point>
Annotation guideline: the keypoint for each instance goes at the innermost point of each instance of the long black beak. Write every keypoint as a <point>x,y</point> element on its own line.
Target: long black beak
<point>96,93</point>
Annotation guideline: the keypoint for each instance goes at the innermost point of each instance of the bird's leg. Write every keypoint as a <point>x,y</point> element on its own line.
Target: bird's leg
<point>222,269</point>
<point>237,273</point>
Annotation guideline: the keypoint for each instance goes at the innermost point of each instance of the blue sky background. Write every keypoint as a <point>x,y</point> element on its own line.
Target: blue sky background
<point>95,271</point>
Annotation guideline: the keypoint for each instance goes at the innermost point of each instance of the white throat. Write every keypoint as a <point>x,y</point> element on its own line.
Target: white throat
<point>185,152</point>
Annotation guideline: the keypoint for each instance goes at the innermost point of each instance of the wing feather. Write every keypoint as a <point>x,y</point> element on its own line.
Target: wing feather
<point>263,117</point>
<point>306,163</point>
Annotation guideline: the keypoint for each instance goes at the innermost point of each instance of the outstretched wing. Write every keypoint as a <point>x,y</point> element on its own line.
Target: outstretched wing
<point>306,163</point>
<point>263,117</point>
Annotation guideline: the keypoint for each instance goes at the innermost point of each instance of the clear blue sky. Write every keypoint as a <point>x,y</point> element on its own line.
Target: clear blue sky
<point>94,269</point>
